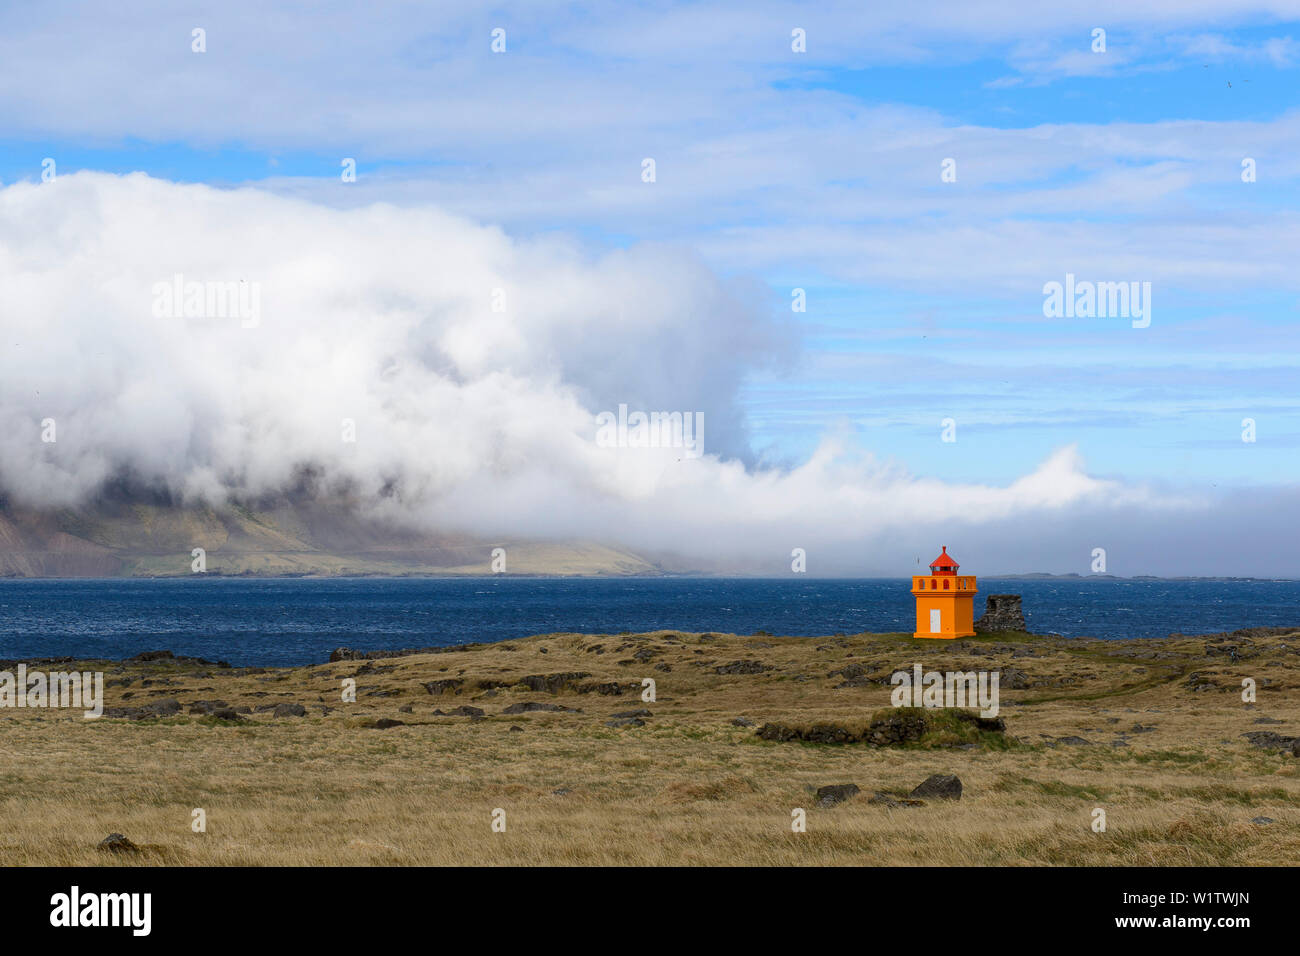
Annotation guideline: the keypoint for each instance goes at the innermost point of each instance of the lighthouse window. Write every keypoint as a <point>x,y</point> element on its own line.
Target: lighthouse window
<point>945,584</point>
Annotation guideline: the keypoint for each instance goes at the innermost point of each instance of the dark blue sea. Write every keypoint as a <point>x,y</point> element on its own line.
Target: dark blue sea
<point>300,620</point>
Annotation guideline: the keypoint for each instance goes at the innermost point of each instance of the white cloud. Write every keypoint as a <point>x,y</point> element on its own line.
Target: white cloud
<point>466,418</point>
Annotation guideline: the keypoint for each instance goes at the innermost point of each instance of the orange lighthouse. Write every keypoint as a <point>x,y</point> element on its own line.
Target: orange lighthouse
<point>945,602</point>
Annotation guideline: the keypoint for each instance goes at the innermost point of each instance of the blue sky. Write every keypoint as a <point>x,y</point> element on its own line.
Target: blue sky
<point>780,170</point>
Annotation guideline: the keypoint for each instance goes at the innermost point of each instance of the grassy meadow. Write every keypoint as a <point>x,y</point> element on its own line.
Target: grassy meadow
<point>1149,731</point>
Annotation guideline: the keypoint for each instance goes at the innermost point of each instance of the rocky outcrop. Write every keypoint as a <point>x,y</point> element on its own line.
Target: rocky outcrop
<point>835,793</point>
<point>551,683</point>
<point>939,786</point>
<point>742,667</point>
<point>1002,612</point>
<point>117,843</point>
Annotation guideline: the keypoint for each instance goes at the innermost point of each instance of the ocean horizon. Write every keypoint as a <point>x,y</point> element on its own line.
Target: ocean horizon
<point>297,621</point>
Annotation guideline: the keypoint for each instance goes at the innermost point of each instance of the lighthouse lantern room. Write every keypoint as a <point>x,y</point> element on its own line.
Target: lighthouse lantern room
<point>945,600</point>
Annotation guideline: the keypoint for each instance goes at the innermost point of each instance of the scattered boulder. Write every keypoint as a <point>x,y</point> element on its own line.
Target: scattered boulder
<point>743,667</point>
<point>207,706</point>
<point>551,683</point>
<point>742,722</point>
<point>383,723</point>
<point>289,710</point>
<point>832,794</point>
<point>639,712</point>
<point>529,706</point>
<point>116,842</point>
<point>625,722</point>
<point>1072,741</point>
<point>606,689</point>
<point>899,726</point>
<point>939,786</point>
<point>1002,612</point>
<point>1271,740</point>
<point>1012,678</point>
<point>439,687</point>
<point>1262,821</point>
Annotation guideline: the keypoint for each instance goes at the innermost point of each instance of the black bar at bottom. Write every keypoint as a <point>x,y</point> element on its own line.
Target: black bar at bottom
<point>335,906</point>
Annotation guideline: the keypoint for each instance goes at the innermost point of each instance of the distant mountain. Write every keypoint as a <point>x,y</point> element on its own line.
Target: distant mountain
<point>134,539</point>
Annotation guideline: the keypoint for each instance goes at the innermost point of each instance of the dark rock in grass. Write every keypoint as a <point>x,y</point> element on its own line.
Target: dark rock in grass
<point>939,786</point>
<point>639,712</point>
<point>1267,720</point>
<point>551,683</point>
<point>516,729</point>
<point>464,710</point>
<point>897,727</point>
<point>116,843</point>
<point>226,713</point>
<point>743,667</point>
<point>207,706</point>
<point>606,689</point>
<point>625,722</point>
<point>1271,740</point>
<point>666,668</point>
<point>852,671</point>
<point>1262,821</point>
<point>742,722</point>
<point>1072,741</point>
<point>561,792</point>
<point>439,687</point>
<point>835,793</point>
<point>289,710</point>
<point>406,709</point>
<point>152,656</point>
<point>1012,678</point>
<point>894,802</point>
<point>159,708</point>
<point>529,706</point>
<point>383,723</point>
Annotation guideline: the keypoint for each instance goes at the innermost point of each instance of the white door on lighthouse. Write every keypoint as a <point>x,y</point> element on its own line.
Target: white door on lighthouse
<point>936,617</point>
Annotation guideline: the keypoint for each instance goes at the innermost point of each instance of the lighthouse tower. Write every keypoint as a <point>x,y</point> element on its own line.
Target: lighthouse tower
<point>945,601</point>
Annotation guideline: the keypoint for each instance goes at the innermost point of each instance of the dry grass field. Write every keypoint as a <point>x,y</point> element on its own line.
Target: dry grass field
<point>1149,731</point>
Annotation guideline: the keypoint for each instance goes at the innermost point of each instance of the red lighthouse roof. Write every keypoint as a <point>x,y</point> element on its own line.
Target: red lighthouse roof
<point>944,564</point>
